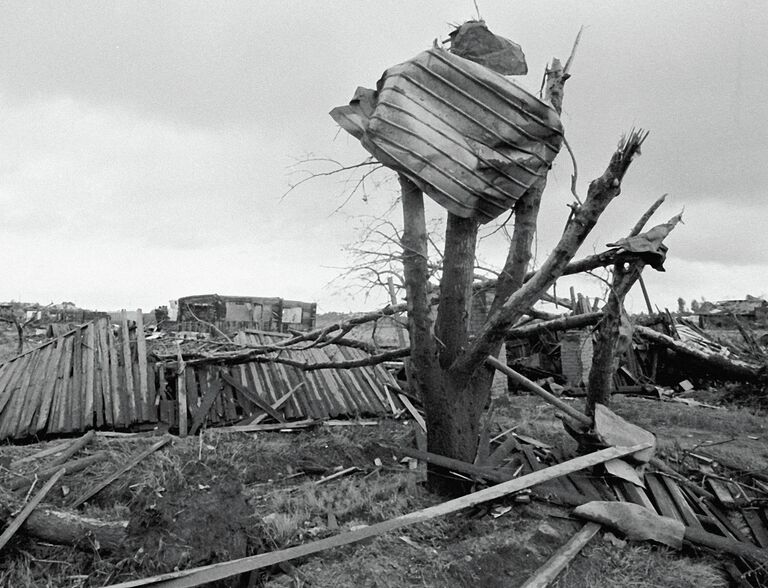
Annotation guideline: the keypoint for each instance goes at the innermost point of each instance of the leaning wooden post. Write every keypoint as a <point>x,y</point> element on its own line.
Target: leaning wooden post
<point>181,394</point>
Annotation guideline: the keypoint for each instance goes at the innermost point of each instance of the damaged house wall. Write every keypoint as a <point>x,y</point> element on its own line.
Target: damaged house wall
<point>229,314</point>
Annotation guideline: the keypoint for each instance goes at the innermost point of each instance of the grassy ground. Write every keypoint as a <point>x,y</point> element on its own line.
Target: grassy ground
<point>227,495</point>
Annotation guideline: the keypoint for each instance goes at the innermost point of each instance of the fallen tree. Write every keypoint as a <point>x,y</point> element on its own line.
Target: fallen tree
<point>728,367</point>
<point>67,528</point>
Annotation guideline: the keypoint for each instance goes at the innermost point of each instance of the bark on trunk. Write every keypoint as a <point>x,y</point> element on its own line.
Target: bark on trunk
<point>607,353</point>
<point>442,420</point>
<point>65,528</point>
<point>605,360</point>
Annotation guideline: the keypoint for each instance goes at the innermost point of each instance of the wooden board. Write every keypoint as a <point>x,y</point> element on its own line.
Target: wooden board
<point>63,406</point>
<point>77,394</point>
<point>128,391</point>
<point>547,573</point>
<point>15,406</point>
<point>103,371</point>
<point>756,525</point>
<point>209,396</point>
<point>181,396</point>
<point>46,397</point>
<point>89,404</point>
<point>119,408</point>
<point>34,397</point>
<point>689,517</point>
<point>661,498</point>
<point>141,352</point>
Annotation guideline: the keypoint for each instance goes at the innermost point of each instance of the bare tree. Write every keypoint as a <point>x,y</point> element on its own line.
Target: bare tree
<point>449,369</point>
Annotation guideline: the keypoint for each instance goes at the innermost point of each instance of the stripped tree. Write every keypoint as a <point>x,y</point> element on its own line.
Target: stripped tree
<point>456,130</point>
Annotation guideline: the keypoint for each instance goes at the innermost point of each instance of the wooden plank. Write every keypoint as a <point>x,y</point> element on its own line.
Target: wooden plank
<point>151,392</point>
<point>219,571</point>
<point>117,473</point>
<point>230,410</point>
<point>720,489</point>
<point>256,428</point>
<point>46,399</point>
<point>162,388</point>
<point>57,420</point>
<point>204,377</point>
<point>547,573</point>
<point>635,494</point>
<point>129,390</point>
<point>255,420</point>
<point>181,395</point>
<point>689,517</point>
<point>554,487</point>
<point>13,385</point>
<point>414,413</point>
<point>254,398</point>
<point>119,415</point>
<point>141,352</point>
<point>28,508</point>
<point>15,407</point>
<point>193,390</point>
<point>98,381</point>
<point>77,395</point>
<point>39,382</point>
<point>89,405</point>
<point>209,396</point>
<point>102,344</point>
<point>756,525</point>
<point>247,407</point>
<point>660,497</point>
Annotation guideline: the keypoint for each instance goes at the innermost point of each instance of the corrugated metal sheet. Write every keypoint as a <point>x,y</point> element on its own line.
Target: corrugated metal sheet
<point>319,393</point>
<point>470,138</point>
<point>93,376</point>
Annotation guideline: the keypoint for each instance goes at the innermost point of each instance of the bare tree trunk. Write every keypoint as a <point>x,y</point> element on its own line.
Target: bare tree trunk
<point>605,360</point>
<point>425,369</point>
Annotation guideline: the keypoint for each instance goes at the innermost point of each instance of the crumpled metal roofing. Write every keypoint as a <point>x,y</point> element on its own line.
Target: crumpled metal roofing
<point>470,138</point>
<point>320,393</point>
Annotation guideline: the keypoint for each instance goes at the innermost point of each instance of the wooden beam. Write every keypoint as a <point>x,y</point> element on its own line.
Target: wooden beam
<point>147,406</point>
<point>414,413</point>
<point>252,397</point>
<point>534,387</point>
<point>210,573</point>
<point>547,573</point>
<point>73,466</point>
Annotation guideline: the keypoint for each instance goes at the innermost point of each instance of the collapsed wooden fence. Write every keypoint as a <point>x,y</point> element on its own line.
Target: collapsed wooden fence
<point>92,376</point>
<point>99,375</point>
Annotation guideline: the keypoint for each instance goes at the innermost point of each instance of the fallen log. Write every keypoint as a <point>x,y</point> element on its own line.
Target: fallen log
<point>66,528</point>
<point>29,509</point>
<point>72,466</point>
<point>729,367</point>
<point>565,323</point>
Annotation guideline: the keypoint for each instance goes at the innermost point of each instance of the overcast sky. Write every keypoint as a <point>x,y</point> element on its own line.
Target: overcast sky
<point>145,146</point>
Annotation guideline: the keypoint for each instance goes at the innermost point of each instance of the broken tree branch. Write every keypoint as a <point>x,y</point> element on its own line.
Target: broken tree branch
<point>601,192</point>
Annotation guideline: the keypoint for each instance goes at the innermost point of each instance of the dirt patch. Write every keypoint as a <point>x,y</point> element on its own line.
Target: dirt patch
<point>197,520</point>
